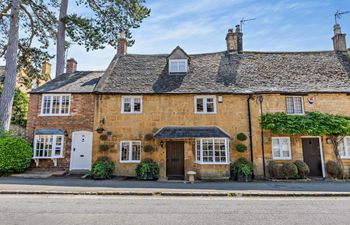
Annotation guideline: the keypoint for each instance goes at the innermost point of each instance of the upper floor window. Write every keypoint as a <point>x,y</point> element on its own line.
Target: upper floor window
<point>178,66</point>
<point>131,104</point>
<point>205,104</point>
<point>294,105</point>
<point>55,105</point>
<point>281,149</point>
<point>344,148</point>
<point>48,146</point>
<point>130,151</point>
<point>212,150</point>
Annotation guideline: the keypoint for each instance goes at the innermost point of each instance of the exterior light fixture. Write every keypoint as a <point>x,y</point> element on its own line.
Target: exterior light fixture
<point>161,144</point>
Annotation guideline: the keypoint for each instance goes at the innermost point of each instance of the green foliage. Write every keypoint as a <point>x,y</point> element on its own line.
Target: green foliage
<point>303,168</point>
<point>333,169</point>
<point>103,147</point>
<point>15,154</point>
<point>289,170</point>
<point>242,137</point>
<point>241,147</point>
<point>241,166</point>
<point>148,148</point>
<point>102,169</point>
<point>313,123</point>
<point>19,108</point>
<point>274,169</point>
<point>147,170</point>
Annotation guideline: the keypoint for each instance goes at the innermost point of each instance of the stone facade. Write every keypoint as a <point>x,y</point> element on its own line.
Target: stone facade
<point>81,118</point>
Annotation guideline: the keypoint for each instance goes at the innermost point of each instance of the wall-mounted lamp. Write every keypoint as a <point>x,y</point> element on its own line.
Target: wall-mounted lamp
<point>161,144</point>
<point>329,141</point>
<point>65,133</point>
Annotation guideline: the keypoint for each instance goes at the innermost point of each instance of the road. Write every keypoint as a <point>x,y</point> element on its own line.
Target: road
<point>96,210</point>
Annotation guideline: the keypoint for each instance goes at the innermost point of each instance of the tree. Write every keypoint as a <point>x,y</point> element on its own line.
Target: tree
<point>108,19</point>
<point>336,127</point>
<point>37,24</point>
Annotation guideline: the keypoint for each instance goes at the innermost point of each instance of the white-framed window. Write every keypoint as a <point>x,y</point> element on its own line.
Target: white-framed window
<point>212,151</point>
<point>55,104</point>
<point>281,149</point>
<point>344,148</point>
<point>178,66</point>
<point>294,105</point>
<point>130,151</point>
<point>205,104</point>
<point>48,146</point>
<point>132,104</point>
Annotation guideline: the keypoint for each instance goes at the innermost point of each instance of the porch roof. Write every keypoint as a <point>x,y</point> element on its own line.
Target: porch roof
<point>48,132</point>
<point>174,132</point>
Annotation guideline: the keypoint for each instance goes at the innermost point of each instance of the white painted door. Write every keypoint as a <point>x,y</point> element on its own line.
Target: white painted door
<point>81,154</point>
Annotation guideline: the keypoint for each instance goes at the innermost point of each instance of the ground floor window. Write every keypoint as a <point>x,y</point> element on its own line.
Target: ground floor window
<point>281,149</point>
<point>130,151</point>
<point>344,148</point>
<point>48,146</point>
<point>212,150</point>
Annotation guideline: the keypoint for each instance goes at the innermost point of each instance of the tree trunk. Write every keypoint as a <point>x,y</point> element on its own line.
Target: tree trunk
<point>61,38</point>
<point>8,91</point>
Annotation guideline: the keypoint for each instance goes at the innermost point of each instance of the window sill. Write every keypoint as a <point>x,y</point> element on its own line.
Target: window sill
<point>281,159</point>
<point>209,113</point>
<point>131,112</point>
<point>212,163</point>
<point>295,114</point>
<point>130,161</point>
<point>345,157</point>
<point>43,115</point>
<point>58,157</point>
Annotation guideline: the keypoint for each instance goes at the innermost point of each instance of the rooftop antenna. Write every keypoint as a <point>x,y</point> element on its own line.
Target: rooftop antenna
<point>244,20</point>
<point>338,15</point>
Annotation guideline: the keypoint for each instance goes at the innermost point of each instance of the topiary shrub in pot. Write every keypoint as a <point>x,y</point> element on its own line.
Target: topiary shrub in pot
<point>148,148</point>
<point>333,169</point>
<point>303,169</point>
<point>241,147</point>
<point>15,154</point>
<point>242,137</point>
<point>274,169</point>
<point>241,169</point>
<point>102,168</point>
<point>147,170</point>
<point>289,170</point>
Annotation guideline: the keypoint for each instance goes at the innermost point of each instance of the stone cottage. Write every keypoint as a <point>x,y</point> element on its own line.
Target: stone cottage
<point>184,111</point>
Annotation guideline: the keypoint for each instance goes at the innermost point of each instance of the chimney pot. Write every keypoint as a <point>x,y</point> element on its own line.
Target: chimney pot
<point>339,40</point>
<point>71,65</point>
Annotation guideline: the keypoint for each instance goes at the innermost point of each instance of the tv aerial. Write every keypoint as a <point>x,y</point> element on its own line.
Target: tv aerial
<point>339,15</point>
<point>244,20</point>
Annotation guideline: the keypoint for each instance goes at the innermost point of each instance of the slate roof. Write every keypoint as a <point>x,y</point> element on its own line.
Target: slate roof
<point>2,74</point>
<point>250,72</point>
<point>77,82</point>
<point>190,132</point>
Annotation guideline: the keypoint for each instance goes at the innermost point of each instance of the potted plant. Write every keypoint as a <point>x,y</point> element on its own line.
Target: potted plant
<point>245,173</point>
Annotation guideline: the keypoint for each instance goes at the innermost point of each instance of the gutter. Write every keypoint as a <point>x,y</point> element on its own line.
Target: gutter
<point>261,99</point>
<point>250,128</point>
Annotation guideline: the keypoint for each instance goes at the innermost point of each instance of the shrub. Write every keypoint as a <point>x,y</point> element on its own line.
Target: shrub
<point>241,165</point>
<point>148,148</point>
<point>103,137</point>
<point>148,136</point>
<point>102,168</point>
<point>242,137</point>
<point>303,168</point>
<point>241,147</point>
<point>15,154</point>
<point>274,169</point>
<point>333,169</point>
<point>289,170</point>
<point>104,147</point>
<point>147,170</point>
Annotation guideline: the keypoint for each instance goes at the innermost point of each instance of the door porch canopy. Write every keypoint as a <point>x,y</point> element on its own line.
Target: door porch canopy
<point>186,132</point>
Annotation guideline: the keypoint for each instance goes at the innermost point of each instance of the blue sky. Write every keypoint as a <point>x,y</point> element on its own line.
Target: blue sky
<point>201,25</point>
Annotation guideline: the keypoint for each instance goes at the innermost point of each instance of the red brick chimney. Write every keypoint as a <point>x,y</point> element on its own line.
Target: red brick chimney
<point>122,45</point>
<point>71,66</point>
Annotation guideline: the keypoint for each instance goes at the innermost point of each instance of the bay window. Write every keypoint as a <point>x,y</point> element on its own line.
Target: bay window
<point>48,146</point>
<point>212,150</point>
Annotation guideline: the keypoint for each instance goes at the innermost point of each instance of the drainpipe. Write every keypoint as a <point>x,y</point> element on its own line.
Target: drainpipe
<point>250,128</point>
<point>261,99</point>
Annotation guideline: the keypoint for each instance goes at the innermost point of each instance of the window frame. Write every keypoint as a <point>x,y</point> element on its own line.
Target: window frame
<point>130,152</point>
<point>51,105</point>
<point>177,61</point>
<point>53,156</point>
<point>205,100</point>
<point>302,105</point>
<point>281,155</point>
<point>345,146</point>
<point>132,103</point>
<point>227,151</point>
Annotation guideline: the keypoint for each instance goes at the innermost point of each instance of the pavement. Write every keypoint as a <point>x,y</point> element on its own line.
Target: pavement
<point>70,185</point>
<point>101,210</point>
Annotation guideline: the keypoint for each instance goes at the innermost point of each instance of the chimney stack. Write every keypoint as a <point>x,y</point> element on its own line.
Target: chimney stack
<point>71,66</point>
<point>234,40</point>
<point>46,69</point>
<point>339,41</point>
<point>122,44</point>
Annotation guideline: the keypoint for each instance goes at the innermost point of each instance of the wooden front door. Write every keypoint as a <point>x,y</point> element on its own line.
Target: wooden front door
<point>175,159</point>
<point>312,155</point>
